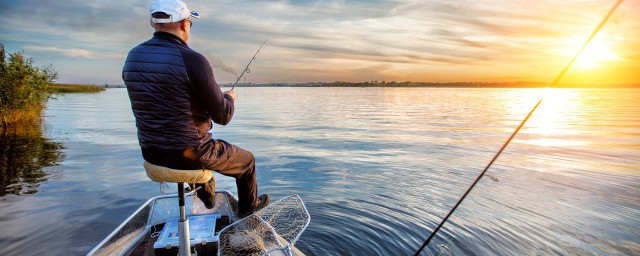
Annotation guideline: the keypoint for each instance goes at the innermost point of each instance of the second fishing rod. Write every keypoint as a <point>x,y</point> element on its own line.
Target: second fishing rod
<point>515,132</point>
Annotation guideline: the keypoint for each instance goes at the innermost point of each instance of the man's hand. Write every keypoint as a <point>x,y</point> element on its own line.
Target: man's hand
<point>231,93</point>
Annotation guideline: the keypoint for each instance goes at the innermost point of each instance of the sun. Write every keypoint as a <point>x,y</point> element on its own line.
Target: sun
<point>597,54</point>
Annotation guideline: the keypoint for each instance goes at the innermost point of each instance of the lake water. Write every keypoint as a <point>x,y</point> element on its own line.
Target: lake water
<point>377,168</point>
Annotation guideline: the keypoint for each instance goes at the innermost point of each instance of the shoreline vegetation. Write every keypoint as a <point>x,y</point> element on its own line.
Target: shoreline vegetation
<point>76,88</point>
<point>24,89</point>
<point>394,84</point>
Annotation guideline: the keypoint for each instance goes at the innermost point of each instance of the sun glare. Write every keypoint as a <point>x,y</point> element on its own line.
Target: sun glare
<point>596,54</point>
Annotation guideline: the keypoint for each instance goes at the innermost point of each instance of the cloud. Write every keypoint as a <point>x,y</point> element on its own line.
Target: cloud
<point>74,53</point>
<point>347,40</point>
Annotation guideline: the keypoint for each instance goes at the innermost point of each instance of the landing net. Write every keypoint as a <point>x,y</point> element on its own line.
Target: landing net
<point>272,230</point>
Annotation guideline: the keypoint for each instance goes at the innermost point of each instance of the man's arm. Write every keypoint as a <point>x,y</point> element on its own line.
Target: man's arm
<point>219,106</point>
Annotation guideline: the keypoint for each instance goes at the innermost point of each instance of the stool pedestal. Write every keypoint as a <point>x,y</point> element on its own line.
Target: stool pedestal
<point>183,225</point>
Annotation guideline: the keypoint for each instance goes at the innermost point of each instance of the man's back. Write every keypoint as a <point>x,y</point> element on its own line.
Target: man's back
<point>166,90</point>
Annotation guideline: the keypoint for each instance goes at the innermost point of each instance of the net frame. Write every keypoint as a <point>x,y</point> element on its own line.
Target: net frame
<point>272,230</point>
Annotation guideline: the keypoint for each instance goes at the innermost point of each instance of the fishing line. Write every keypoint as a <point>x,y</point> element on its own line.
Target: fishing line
<point>595,31</point>
<point>246,69</point>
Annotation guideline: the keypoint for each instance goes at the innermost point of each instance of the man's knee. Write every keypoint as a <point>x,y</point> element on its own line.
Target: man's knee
<point>252,162</point>
<point>252,158</point>
<point>250,166</point>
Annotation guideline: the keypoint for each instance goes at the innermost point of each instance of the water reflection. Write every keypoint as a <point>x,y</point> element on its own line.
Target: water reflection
<point>24,154</point>
<point>555,121</point>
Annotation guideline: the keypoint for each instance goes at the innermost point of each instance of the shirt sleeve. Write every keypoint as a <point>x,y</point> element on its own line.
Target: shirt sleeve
<point>219,106</point>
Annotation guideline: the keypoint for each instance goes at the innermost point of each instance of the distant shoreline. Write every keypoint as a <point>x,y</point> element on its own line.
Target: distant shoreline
<point>76,88</point>
<point>423,85</point>
<point>436,85</point>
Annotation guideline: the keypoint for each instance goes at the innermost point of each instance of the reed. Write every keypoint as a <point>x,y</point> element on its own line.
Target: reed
<point>24,88</point>
<point>76,88</point>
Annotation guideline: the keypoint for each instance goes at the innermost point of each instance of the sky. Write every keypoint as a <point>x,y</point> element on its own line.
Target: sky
<point>338,40</point>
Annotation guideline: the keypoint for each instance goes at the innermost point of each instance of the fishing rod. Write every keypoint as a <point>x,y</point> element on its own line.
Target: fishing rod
<point>246,69</point>
<point>595,31</point>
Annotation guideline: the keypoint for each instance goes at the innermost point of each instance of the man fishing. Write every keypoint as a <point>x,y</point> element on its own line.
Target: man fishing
<point>174,97</point>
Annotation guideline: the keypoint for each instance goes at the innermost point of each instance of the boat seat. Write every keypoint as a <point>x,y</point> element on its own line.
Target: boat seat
<point>164,174</point>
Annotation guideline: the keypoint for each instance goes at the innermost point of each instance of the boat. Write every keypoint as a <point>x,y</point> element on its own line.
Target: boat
<point>153,228</point>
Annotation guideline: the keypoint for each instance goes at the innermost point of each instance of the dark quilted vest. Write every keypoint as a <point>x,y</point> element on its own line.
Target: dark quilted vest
<point>158,86</point>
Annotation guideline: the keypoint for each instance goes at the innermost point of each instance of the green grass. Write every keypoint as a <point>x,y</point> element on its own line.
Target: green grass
<point>76,88</point>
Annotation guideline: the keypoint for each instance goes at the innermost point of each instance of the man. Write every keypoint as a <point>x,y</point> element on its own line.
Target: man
<point>175,98</point>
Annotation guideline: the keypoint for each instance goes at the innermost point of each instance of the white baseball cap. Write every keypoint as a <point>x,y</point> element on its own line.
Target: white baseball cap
<point>176,9</point>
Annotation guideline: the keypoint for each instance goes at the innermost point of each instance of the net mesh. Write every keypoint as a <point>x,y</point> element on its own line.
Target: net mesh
<point>277,226</point>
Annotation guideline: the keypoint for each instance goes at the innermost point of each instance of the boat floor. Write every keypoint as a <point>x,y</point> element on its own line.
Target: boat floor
<point>145,248</point>
<point>145,245</point>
